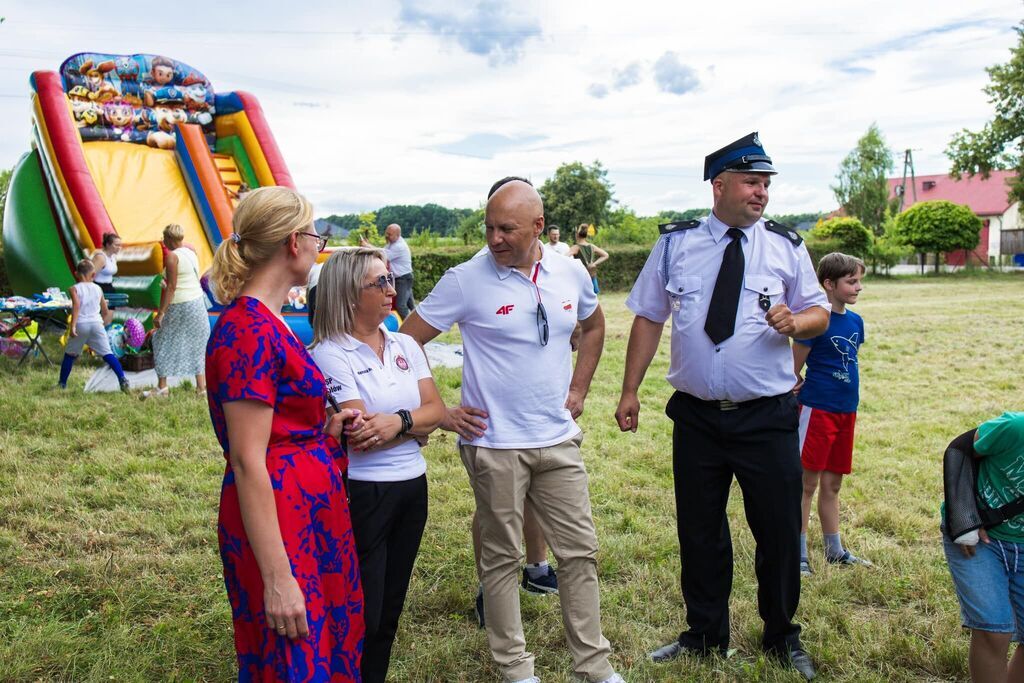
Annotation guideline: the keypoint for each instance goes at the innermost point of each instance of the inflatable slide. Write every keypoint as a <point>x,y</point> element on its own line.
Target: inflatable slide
<point>126,144</point>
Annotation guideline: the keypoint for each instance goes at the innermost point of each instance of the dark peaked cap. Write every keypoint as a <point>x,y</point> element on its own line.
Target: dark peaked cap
<point>745,155</point>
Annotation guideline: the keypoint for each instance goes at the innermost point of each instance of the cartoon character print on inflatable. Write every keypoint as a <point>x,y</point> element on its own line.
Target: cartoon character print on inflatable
<point>136,98</point>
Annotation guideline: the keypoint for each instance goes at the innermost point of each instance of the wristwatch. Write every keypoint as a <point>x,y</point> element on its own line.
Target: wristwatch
<point>406,421</point>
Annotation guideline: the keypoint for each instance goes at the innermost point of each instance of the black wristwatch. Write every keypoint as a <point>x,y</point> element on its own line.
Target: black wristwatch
<point>406,421</point>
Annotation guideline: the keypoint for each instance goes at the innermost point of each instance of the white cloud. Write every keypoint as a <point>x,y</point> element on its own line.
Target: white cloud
<point>364,103</point>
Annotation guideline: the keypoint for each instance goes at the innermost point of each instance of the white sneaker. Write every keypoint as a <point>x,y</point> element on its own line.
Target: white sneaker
<point>616,678</point>
<point>531,679</point>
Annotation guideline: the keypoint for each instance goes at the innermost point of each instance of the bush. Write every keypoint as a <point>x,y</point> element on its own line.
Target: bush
<point>618,273</point>
<point>849,234</point>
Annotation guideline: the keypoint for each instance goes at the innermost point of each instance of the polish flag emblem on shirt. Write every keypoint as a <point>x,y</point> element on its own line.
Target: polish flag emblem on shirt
<point>566,305</point>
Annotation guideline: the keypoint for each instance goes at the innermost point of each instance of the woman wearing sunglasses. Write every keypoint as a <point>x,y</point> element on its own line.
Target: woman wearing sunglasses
<point>286,539</point>
<point>385,375</point>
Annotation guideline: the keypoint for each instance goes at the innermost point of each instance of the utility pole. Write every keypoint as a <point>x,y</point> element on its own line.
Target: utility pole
<point>901,189</point>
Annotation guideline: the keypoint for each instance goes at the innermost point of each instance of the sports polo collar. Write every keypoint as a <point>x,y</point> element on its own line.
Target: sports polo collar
<point>350,343</point>
<point>504,271</point>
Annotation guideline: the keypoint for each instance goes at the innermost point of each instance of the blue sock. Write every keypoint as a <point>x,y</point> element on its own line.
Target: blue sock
<point>803,547</point>
<point>65,368</point>
<point>115,365</point>
<point>833,546</point>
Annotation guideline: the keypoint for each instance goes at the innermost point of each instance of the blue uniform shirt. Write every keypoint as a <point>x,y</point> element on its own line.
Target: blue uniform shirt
<point>832,381</point>
<point>677,281</point>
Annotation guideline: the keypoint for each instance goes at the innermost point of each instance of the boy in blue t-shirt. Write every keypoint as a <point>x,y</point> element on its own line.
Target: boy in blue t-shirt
<point>828,404</point>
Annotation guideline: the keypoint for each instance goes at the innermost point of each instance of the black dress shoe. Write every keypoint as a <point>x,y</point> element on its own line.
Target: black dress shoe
<point>801,661</point>
<point>675,649</point>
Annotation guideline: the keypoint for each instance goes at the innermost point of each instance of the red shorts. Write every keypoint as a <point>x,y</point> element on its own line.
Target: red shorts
<point>826,440</point>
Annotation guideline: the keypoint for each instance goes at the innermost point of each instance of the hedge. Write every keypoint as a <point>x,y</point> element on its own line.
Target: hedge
<point>618,273</point>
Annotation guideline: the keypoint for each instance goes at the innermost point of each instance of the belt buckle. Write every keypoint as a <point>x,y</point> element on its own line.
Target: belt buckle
<point>726,404</point>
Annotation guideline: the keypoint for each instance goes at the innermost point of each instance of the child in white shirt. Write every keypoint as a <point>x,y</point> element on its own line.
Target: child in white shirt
<point>89,312</point>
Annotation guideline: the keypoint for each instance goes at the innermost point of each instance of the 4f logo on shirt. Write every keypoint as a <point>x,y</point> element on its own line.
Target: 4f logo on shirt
<point>505,310</point>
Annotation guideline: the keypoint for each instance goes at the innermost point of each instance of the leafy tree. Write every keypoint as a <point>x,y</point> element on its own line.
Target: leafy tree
<point>349,221</point>
<point>849,234</point>
<point>577,194</point>
<point>936,227</point>
<point>687,215</point>
<point>367,228</point>
<point>886,250</point>
<point>1000,143</point>
<point>795,219</point>
<point>471,228</point>
<point>861,187</point>
<point>625,227</point>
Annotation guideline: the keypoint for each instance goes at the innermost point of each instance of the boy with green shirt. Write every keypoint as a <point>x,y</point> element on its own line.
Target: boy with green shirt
<point>989,576</point>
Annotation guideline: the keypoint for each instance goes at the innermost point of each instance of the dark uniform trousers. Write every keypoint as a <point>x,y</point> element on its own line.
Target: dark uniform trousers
<point>758,442</point>
<point>387,521</point>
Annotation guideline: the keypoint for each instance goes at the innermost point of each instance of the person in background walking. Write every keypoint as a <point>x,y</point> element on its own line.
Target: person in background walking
<point>591,254</point>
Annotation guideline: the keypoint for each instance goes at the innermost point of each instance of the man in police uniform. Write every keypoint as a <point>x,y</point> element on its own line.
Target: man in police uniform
<point>737,287</point>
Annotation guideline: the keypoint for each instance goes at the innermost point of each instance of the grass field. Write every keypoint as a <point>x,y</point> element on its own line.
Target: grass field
<point>108,553</point>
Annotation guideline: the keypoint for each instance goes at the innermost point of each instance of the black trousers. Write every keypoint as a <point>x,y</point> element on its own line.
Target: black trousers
<point>758,443</point>
<point>388,520</point>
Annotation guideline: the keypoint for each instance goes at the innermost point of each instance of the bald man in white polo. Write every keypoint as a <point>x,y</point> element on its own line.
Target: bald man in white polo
<point>516,307</point>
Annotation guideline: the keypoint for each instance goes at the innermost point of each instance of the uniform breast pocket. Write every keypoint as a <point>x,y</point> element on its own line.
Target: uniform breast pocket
<point>761,292</point>
<point>685,295</point>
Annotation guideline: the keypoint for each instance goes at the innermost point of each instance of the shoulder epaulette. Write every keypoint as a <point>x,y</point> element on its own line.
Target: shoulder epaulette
<point>666,228</point>
<point>784,230</point>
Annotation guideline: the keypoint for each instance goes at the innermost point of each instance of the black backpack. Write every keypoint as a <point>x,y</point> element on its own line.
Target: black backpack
<point>965,511</point>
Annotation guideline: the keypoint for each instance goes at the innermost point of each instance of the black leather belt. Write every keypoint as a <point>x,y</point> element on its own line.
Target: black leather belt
<point>726,404</point>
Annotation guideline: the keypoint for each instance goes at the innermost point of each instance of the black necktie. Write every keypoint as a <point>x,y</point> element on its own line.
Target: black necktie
<point>725,300</point>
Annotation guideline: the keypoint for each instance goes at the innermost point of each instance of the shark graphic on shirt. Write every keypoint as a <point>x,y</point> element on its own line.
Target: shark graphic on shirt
<point>847,348</point>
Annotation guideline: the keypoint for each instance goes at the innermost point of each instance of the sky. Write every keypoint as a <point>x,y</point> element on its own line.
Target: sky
<point>416,101</point>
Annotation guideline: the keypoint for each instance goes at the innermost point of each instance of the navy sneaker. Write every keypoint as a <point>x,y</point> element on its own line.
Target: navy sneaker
<point>480,606</point>
<point>546,584</point>
<point>848,558</point>
<point>125,386</point>
<point>805,568</point>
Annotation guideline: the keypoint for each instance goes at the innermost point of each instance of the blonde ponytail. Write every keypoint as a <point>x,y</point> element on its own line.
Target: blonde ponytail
<point>262,222</point>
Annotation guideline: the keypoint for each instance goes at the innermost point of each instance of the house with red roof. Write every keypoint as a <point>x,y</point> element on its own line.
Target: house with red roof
<point>1001,232</point>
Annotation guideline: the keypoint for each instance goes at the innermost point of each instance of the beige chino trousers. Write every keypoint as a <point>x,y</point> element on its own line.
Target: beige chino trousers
<point>555,481</point>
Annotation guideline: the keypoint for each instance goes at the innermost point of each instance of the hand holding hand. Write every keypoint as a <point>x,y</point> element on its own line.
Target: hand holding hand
<point>336,423</point>
<point>376,430</point>
<point>463,420</point>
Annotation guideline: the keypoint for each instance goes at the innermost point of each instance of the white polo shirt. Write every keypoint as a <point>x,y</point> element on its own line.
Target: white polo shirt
<point>353,371</point>
<point>506,371</point>
<point>558,247</point>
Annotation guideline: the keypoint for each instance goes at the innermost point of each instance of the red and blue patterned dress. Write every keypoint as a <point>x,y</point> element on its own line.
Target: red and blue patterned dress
<point>252,355</point>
